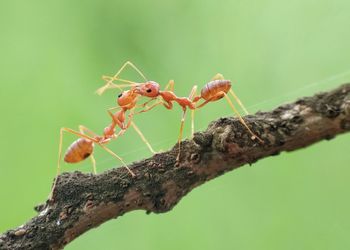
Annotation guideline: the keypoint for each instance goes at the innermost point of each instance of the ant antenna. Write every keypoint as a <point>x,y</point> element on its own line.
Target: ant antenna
<point>110,80</point>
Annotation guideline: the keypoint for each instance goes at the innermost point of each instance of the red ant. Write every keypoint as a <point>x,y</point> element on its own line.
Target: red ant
<point>214,90</point>
<point>83,147</point>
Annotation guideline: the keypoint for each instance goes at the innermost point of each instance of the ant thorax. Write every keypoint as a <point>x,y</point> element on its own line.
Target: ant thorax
<point>126,98</point>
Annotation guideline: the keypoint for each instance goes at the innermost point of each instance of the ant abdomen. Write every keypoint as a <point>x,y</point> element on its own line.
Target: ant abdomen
<point>79,150</point>
<point>214,87</point>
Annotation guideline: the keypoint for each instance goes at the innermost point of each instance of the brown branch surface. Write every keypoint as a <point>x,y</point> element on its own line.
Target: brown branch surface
<point>83,201</point>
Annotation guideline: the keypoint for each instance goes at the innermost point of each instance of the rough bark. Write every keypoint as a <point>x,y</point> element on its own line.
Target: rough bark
<point>83,201</point>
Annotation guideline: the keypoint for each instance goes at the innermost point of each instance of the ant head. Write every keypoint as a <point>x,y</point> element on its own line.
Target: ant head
<point>149,89</point>
<point>125,98</point>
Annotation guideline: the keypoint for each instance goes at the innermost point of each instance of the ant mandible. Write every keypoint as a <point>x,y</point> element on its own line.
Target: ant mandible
<point>212,91</point>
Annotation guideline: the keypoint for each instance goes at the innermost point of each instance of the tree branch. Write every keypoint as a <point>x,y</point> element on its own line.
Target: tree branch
<point>83,201</point>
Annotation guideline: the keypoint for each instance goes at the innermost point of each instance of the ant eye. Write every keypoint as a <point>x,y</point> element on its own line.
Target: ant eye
<point>149,90</point>
<point>120,95</point>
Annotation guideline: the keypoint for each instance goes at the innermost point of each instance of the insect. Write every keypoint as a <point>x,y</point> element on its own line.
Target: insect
<point>214,90</point>
<point>83,147</point>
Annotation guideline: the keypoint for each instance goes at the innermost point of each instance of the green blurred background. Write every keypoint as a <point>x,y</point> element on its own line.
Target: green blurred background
<point>53,54</point>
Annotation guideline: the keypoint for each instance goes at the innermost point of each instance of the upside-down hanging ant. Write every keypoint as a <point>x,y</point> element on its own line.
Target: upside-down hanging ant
<point>214,90</point>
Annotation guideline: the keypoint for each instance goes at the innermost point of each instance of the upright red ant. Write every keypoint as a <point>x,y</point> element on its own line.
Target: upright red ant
<point>214,90</point>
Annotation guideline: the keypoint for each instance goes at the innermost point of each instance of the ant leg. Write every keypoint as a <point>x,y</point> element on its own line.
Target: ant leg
<point>93,162</point>
<point>118,157</point>
<point>205,103</point>
<point>143,137</point>
<point>194,90</point>
<point>82,130</point>
<point>113,108</point>
<point>192,122</point>
<point>218,76</point>
<point>170,85</point>
<point>239,102</point>
<point>110,83</point>
<point>180,135</point>
<point>150,107</point>
<point>191,96</point>
<point>241,119</point>
<point>146,103</point>
<point>192,93</point>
